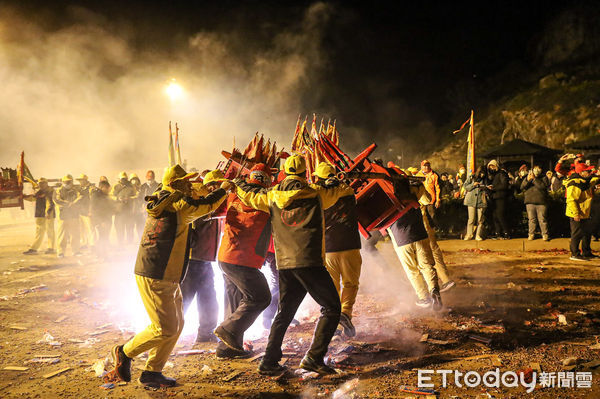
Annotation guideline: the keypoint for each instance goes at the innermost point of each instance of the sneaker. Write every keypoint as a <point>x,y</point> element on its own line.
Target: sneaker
<point>78,253</point>
<point>590,256</point>
<point>156,379</point>
<point>50,251</point>
<point>423,303</point>
<point>436,300</point>
<point>206,337</point>
<point>266,368</point>
<point>347,325</point>
<point>227,338</point>
<point>478,238</point>
<point>30,252</point>
<point>228,353</point>
<point>60,255</point>
<point>578,258</point>
<point>546,238</point>
<point>310,364</point>
<point>531,238</point>
<point>121,362</point>
<point>505,237</point>
<point>467,238</point>
<point>447,286</point>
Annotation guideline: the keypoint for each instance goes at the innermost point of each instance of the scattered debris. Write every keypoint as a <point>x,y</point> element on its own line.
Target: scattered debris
<point>191,352</point>
<point>55,373</point>
<point>49,339</point>
<point>61,319</point>
<point>93,334</point>
<point>424,338</point>
<point>481,339</point>
<point>562,319</point>
<point>496,361</point>
<point>108,385</point>
<point>69,295</point>
<point>15,368</point>
<point>255,357</point>
<point>570,361</point>
<point>345,389</point>
<point>233,375</point>
<point>306,375</point>
<point>205,370</point>
<point>100,366</point>
<point>418,391</point>
<point>536,367</point>
<point>43,360</point>
<point>19,328</point>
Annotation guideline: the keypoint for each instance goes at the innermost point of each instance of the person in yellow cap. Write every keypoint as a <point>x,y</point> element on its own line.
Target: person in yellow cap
<point>66,198</point>
<point>342,246</point>
<point>86,231</point>
<point>124,194</point>
<point>297,220</point>
<point>160,266</point>
<point>44,217</point>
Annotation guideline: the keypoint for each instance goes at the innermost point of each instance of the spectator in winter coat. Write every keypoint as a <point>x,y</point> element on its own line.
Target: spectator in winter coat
<point>476,202</point>
<point>499,194</point>
<point>296,210</point>
<point>521,175</point>
<point>535,186</point>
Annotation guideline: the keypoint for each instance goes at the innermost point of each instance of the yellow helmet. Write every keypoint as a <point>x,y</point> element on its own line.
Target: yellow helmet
<point>66,178</point>
<point>214,176</point>
<point>176,173</point>
<point>295,165</point>
<point>324,171</point>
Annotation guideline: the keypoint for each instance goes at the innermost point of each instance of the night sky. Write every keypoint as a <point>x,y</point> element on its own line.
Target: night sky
<point>385,66</point>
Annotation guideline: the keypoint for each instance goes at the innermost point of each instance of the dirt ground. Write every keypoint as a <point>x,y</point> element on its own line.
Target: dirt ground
<point>535,306</point>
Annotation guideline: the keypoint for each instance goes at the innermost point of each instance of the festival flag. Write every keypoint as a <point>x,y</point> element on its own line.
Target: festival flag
<point>470,144</point>
<point>23,172</point>
<point>177,151</point>
<point>313,128</point>
<point>171,149</point>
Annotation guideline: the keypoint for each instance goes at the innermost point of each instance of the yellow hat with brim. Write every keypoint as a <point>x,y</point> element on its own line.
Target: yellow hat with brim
<point>123,175</point>
<point>324,171</point>
<point>42,180</point>
<point>82,177</point>
<point>67,178</point>
<point>214,176</point>
<point>176,173</point>
<point>295,165</point>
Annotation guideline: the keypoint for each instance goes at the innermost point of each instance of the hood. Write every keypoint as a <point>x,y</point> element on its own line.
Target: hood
<point>157,204</point>
<point>290,189</point>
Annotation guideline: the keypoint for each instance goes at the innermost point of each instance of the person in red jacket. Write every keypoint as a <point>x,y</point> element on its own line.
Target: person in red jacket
<point>246,236</point>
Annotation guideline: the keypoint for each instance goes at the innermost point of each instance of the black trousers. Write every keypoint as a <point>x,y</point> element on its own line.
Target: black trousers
<point>271,310</point>
<point>293,286</point>
<point>246,296</point>
<point>499,216</point>
<point>199,282</point>
<point>581,232</point>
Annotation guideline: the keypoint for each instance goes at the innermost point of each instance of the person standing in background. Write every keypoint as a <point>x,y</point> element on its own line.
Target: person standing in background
<point>44,217</point>
<point>66,198</point>
<point>85,224</point>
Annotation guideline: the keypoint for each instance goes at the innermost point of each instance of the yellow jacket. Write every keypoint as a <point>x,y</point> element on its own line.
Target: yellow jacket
<point>164,248</point>
<point>297,219</point>
<point>579,196</point>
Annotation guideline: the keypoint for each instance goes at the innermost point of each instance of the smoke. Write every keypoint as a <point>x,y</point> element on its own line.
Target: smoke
<point>84,98</point>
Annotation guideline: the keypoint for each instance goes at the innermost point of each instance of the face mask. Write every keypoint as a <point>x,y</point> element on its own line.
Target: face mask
<point>537,172</point>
